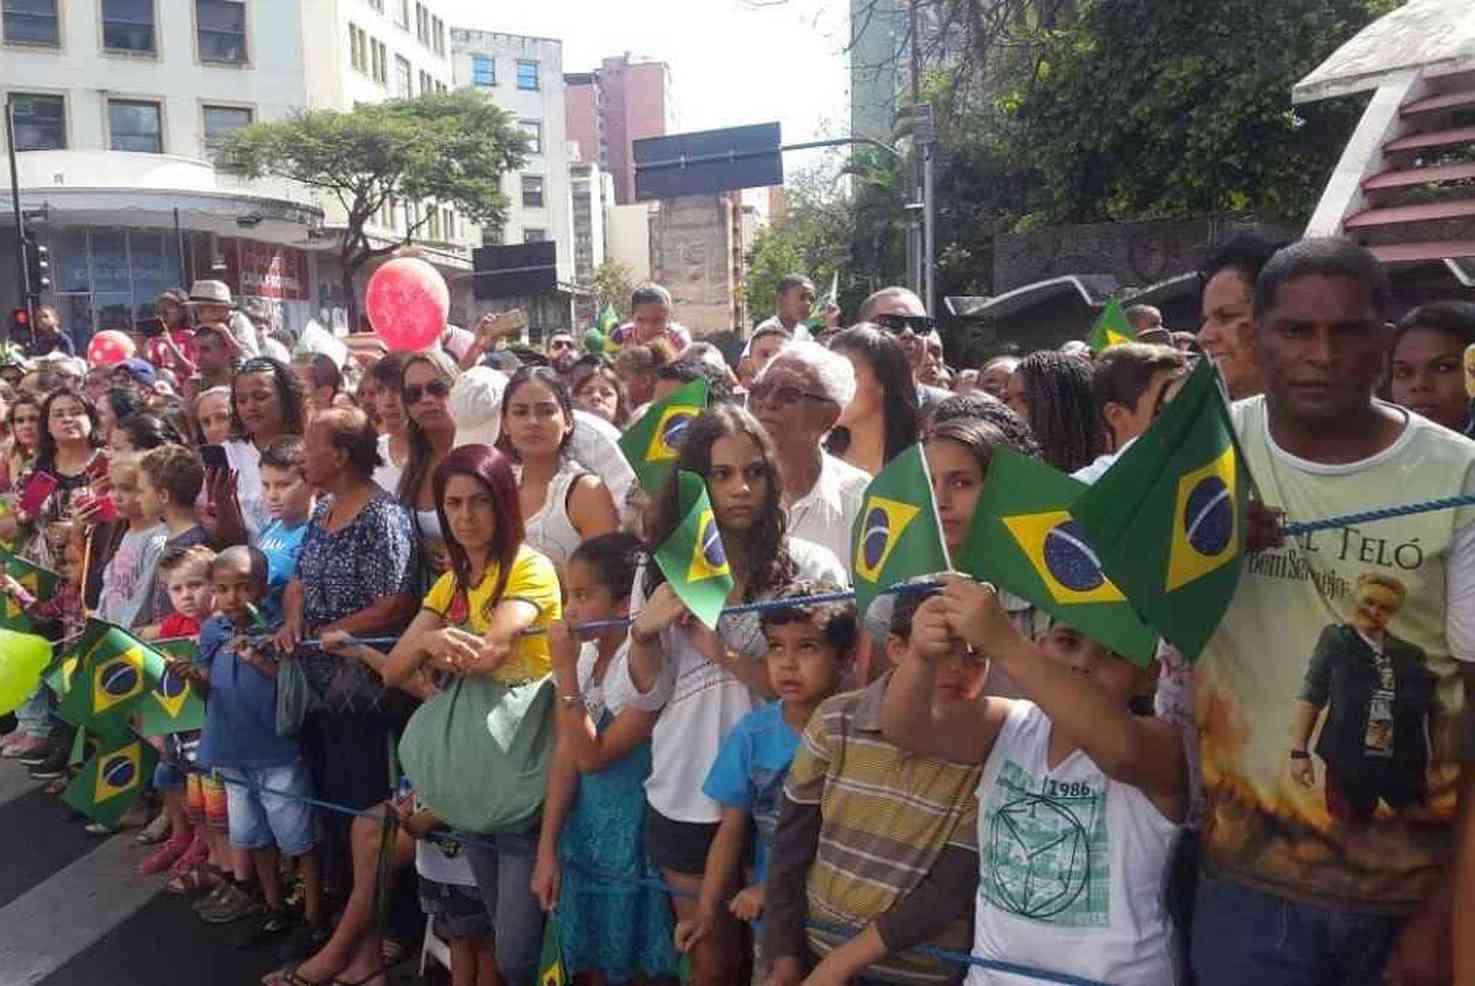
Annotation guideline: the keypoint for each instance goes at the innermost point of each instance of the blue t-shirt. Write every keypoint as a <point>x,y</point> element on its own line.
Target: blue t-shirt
<point>749,773</point>
<point>241,710</point>
<point>281,545</point>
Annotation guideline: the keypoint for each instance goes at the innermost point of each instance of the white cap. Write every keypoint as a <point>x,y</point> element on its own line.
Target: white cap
<point>476,405</point>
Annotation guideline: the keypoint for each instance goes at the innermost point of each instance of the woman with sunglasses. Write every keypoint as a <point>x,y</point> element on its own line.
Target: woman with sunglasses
<point>882,418</point>
<point>564,503</point>
<point>266,403</point>
<point>425,391</point>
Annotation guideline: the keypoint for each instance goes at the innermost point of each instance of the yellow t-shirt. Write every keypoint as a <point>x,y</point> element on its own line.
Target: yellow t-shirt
<point>532,580</point>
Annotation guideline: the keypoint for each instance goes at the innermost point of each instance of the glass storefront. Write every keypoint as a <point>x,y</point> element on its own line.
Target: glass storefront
<point>107,278</point>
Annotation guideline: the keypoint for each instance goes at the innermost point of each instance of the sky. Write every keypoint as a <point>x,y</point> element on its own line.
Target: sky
<point>732,62</point>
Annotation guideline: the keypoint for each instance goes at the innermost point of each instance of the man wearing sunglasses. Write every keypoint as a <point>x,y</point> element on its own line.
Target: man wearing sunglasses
<point>899,311</point>
<point>562,351</point>
<point>797,398</point>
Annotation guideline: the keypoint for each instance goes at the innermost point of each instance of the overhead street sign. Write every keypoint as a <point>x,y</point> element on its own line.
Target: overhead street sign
<point>708,161</point>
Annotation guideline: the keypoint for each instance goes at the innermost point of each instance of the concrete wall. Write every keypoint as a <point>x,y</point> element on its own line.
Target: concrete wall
<point>691,254</point>
<point>581,115</point>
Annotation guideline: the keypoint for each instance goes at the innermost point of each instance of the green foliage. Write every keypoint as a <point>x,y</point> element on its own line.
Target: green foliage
<point>1141,109</point>
<point>613,284</point>
<point>449,148</point>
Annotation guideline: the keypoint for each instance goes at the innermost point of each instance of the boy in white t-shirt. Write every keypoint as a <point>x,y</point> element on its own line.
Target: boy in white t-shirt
<point>1080,803</point>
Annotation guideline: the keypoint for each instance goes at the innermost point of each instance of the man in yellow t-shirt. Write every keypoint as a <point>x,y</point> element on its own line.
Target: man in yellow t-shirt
<point>1329,732</point>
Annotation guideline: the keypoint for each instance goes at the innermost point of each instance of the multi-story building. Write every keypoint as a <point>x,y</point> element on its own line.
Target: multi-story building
<point>615,105</point>
<point>525,76</point>
<point>119,108</point>
<point>698,249</point>
<point>591,190</point>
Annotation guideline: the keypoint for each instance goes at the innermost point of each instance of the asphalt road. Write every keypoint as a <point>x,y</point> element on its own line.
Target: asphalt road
<point>74,911</point>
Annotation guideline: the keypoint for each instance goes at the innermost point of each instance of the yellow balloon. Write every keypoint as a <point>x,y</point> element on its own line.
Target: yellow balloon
<point>23,656</point>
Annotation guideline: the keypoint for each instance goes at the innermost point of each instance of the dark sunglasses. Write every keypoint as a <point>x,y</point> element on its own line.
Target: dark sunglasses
<point>919,324</point>
<point>435,388</point>
<point>783,396</point>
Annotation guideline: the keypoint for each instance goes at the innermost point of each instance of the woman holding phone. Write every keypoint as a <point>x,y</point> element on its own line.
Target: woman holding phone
<point>69,461</point>
<point>266,402</point>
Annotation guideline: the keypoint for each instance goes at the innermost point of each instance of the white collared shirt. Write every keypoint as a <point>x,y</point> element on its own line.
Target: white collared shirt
<point>826,514</point>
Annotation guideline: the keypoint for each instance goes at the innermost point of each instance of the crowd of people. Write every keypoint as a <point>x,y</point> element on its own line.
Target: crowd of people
<point>385,566</point>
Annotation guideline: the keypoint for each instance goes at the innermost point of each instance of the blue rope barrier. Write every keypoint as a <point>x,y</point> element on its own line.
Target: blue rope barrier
<point>441,838</point>
<point>1381,513</point>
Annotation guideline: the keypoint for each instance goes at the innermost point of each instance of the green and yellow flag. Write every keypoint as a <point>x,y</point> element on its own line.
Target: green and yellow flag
<point>550,962</point>
<point>1169,515</point>
<point>897,535</point>
<point>114,672</point>
<point>172,706</point>
<point>609,319</point>
<point>692,558</point>
<point>1024,540</point>
<point>38,581</point>
<point>1111,328</point>
<point>112,780</point>
<point>816,319</point>
<point>652,443</point>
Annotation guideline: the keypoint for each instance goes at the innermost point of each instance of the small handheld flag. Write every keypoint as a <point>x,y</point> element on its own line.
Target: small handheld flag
<point>550,962</point>
<point>1023,539</point>
<point>652,443</point>
<point>39,582</point>
<point>609,319</point>
<point>113,673</point>
<point>1169,516</point>
<point>112,780</point>
<point>1111,328</point>
<point>692,558</point>
<point>816,320</point>
<point>897,535</point>
<point>172,706</point>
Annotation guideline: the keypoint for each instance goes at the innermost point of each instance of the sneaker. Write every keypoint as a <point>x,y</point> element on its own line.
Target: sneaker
<point>236,903</point>
<point>156,831</point>
<point>165,856</point>
<point>303,942</point>
<point>52,765</point>
<point>28,750</point>
<point>269,925</point>
<point>214,898</point>
<point>8,724</point>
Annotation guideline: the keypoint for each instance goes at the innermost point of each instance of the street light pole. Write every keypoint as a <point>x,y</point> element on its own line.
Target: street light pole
<point>20,222</point>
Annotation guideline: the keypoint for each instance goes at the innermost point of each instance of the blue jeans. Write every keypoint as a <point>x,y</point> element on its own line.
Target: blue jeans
<point>33,717</point>
<point>1242,935</point>
<point>504,875</point>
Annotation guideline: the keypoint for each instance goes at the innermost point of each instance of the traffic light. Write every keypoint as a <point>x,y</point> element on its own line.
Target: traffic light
<point>20,324</point>
<point>38,267</point>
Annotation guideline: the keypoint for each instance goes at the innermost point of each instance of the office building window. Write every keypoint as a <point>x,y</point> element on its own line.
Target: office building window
<point>483,70</point>
<point>221,26</point>
<point>427,84</point>
<point>532,191</point>
<point>533,130</point>
<point>402,13</point>
<point>491,236</point>
<point>433,230</point>
<point>134,125</point>
<point>439,28</point>
<point>380,51</point>
<point>220,123</point>
<point>31,22</point>
<point>527,75</point>
<point>358,55</point>
<point>377,5</point>
<point>448,223</point>
<point>128,25</point>
<point>40,122</point>
<point>441,86</point>
<point>533,235</point>
<point>404,79</point>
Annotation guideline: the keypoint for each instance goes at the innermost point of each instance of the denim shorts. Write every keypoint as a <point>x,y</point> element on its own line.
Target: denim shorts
<point>458,910</point>
<point>259,819</point>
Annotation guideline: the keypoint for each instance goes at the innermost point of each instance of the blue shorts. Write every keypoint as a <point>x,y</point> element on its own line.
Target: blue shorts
<point>180,754</point>
<point>258,819</point>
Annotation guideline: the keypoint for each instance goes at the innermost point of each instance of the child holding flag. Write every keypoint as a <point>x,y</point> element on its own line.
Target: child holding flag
<point>1080,802</point>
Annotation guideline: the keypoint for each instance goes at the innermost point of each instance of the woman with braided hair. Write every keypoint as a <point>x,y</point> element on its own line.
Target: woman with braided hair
<point>1052,391</point>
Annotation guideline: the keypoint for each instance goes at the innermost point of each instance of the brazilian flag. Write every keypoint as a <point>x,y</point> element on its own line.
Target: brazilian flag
<point>1111,328</point>
<point>113,673</point>
<point>897,535</point>
<point>1023,539</point>
<point>609,319</point>
<point>550,962</point>
<point>172,706</point>
<point>38,581</point>
<point>1169,515</point>
<point>112,780</point>
<point>652,443</point>
<point>692,558</point>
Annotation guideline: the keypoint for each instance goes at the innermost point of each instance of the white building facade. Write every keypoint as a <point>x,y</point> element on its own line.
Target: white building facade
<point>524,75</point>
<point>119,106</point>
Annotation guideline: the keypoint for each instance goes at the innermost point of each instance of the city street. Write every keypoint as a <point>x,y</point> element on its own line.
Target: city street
<point>75,912</point>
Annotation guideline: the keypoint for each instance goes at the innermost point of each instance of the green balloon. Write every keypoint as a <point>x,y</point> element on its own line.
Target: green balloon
<point>594,341</point>
<point>23,656</point>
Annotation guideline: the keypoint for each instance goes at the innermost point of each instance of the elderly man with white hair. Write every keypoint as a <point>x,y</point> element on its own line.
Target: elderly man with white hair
<point>798,398</point>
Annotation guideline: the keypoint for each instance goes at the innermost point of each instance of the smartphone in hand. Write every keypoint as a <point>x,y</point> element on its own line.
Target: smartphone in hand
<point>34,494</point>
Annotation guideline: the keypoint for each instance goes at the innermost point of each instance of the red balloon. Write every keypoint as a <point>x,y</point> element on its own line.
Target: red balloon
<point>408,302</point>
<point>110,347</point>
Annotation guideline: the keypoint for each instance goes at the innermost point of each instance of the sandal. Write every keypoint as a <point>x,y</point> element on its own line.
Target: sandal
<point>287,976</point>
<point>381,971</point>
<point>193,879</point>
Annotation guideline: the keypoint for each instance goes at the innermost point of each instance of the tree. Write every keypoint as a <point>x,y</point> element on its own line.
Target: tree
<point>614,282</point>
<point>442,149</point>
